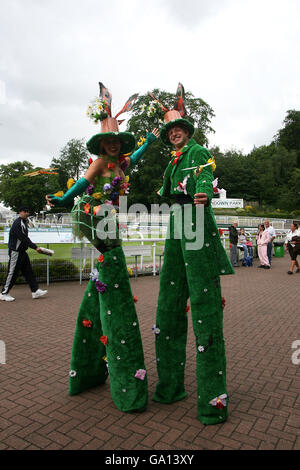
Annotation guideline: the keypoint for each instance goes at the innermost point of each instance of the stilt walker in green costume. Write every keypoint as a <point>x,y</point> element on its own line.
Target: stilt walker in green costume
<point>107,338</point>
<point>191,273</point>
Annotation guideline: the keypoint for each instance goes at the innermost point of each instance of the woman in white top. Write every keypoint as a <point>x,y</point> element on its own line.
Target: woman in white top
<point>292,245</point>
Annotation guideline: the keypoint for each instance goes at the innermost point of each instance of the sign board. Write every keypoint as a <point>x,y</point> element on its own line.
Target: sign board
<point>46,236</point>
<point>219,203</point>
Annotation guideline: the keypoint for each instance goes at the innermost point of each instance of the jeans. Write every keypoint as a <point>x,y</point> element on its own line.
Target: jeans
<point>233,255</point>
<point>269,251</point>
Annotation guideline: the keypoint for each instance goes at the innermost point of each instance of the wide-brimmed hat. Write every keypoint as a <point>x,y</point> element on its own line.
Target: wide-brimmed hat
<point>173,118</point>
<point>101,111</point>
<point>110,128</point>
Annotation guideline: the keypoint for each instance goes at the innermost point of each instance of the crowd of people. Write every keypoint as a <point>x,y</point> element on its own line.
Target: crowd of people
<point>265,237</point>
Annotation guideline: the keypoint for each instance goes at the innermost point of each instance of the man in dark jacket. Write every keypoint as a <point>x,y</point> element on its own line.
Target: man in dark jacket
<point>18,243</point>
<point>233,238</point>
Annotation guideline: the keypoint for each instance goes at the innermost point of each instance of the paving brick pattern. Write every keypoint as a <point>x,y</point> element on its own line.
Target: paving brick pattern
<point>261,321</point>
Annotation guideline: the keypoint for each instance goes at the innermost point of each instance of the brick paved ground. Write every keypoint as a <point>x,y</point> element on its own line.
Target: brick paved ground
<point>261,321</point>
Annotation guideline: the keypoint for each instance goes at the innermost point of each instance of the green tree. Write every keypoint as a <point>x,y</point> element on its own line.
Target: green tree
<point>289,135</point>
<point>72,161</point>
<point>17,190</point>
<point>146,177</point>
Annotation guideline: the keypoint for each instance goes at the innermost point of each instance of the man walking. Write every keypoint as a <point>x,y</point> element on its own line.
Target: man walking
<point>191,273</point>
<point>272,236</point>
<point>233,238</point>
<point>18,243</point>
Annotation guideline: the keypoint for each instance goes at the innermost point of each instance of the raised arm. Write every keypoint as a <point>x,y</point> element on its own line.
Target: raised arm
<point>137,155</point>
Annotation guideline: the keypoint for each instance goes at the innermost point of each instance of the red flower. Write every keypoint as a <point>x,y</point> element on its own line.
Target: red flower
<point>90,160</point>
<point>135,299</point>
<point>220,232</point>
<point>87,323</point>
<point>86,208</point>
<point>219,404</point>
<point>103,340</point>
<point>96,209</point>
<point>187,308</point>
<point>101,259</point>
<point>223,302</point>
<point>110,166</point>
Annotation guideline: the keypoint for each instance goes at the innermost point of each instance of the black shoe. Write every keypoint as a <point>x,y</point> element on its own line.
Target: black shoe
<point>260,266</point>
<point>298,270</point>
<point>290,272</point>
<point>266,267</point>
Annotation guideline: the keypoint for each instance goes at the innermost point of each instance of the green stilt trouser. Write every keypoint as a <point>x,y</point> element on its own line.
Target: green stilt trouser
<point>88,368</point>
<point>191,273</point>
<point>113,315</point>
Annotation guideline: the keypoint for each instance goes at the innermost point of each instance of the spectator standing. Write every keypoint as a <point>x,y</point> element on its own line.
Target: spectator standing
<point>292,244</point>
<point>242,239</point>
<point>233,238</point>
<point>272,236</point>
<point>262,246</point>
<point>18,244</point>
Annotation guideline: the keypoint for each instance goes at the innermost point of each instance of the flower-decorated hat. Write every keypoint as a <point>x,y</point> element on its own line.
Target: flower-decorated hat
<point>174,116</point>
<point>100,110</point>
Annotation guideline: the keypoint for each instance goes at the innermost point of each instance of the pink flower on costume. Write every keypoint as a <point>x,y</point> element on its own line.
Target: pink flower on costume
<point>140,374</point>
<point>219,402</point>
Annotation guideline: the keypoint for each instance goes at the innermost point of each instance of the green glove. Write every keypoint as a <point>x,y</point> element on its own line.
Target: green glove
<point>67,199</point>
<point>137,155</point>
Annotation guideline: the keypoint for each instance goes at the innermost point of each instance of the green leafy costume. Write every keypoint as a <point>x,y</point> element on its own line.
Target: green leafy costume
<point>107,337</point>
<point>195,274</point>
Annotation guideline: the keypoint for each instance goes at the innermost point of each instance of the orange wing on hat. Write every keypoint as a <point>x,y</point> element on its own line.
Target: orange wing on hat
<point>160,104</point>
<point>128,105</point>
<point>179,101</point>
<point>105,96</point>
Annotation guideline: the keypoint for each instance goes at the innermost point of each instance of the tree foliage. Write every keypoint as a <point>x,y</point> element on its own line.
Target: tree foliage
<point>17,190</point>
<point>72,161</point>
<point>270,174</point>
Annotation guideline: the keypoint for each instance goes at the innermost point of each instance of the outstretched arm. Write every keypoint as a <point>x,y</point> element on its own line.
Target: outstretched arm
<point>78,188</point>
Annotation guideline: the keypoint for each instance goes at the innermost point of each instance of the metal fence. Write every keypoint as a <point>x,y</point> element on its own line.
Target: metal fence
<point>74,261</point>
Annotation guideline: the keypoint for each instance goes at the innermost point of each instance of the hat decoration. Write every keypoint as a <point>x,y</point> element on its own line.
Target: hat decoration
<point>100,111</point>
<point>174,116</point>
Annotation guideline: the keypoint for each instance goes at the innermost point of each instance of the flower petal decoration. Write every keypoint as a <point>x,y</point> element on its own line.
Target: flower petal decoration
<point>107,187</point>
<point>101,258</point>
<point>223,302</point>
<point>97,195</point>
<point>155,330</point>
<point>110,166</point>
<point>87,323</point>
<point>220,232</point>
<point>89,190</point>
<point>187,308</point>
<point>59,194</point>
<point>219,402</point>
<point>212,160</point>
<point>96,209</point>
<point>86,208</point>
<point>140,374</point>
<point>104,340</point>
<point>70,183</point>
<point>135,299</point>
<point>100,286</point>
<point>94,274</point>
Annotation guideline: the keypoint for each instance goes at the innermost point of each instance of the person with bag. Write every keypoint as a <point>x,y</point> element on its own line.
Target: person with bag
<point>292,245</point>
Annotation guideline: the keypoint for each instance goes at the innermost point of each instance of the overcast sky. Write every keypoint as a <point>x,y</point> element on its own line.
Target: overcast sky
<point>240,56</point>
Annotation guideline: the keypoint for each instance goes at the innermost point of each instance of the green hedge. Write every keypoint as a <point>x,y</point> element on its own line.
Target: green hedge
<point>60,269</point>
